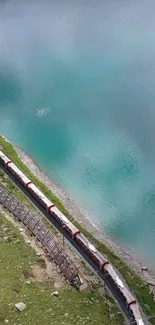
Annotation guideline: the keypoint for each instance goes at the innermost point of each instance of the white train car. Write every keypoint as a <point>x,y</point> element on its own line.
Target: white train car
<point>91,251</point>
<point>16,172</point>
<point>66,224</point>
<point>39,196</point>
<point>130,300</point>
<point>4,160</point>
<point>137,314</point>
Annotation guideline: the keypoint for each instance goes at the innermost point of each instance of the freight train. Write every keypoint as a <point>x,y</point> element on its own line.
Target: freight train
<point>90,250</point>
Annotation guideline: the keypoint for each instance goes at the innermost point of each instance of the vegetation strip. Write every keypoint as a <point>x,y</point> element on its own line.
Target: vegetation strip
<point>141,290</point>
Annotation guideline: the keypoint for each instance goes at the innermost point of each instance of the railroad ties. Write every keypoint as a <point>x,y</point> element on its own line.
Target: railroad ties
<point>47,239</point>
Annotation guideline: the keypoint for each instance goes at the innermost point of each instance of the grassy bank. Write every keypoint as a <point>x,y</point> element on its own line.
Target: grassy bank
<point>70,307</point>
<point>138,286</point>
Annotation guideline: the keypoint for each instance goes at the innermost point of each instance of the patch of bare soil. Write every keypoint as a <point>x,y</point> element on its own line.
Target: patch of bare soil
<point>38,273</point>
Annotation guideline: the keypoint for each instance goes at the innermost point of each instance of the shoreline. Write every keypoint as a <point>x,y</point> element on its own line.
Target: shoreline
<point>127,255</point>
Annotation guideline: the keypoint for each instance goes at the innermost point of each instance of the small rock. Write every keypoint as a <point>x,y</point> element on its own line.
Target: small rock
<point>39,254</point>
<point>6,321</point>
<point>151,283</point>
<point>144,268</point>
<point>28,282</point>
<point>83,286</point>
<point>112,316</point>
<point>66,314</point>
<point>20,306</point>
<point>21,229</point>
<point>55,293</point>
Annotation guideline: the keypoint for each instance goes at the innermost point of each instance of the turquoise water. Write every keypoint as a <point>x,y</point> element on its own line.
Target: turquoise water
<point>77,91</point>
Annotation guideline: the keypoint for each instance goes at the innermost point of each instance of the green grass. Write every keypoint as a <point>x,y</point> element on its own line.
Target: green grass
<point>140,289</point>
<point>70,307</point>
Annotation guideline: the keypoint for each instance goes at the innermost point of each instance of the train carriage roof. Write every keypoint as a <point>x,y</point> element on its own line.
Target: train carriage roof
<point>92,248</point>
<point>65,220</point>
<point>40,194</point>
<point>2,155</point>
<point>89,245</point>
<point>126,292</point>
<point>19,172</point>
<point>119,282</point>
<point>137,314</point>
<point>60,215</point>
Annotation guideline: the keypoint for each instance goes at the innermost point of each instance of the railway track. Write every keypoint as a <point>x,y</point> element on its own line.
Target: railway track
<point>111,278</point>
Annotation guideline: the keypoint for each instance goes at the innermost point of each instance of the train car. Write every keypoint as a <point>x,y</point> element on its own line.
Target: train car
<point>64,222</point>
<point>50,207</point>
<point>128,297</point>
<point>136,314</point>
<point>4,160</point>
<point>16,172</point>
<point>39,196</point>
<point>91,251</point>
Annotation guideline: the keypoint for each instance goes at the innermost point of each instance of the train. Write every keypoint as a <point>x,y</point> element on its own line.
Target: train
<point>89,249</point>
